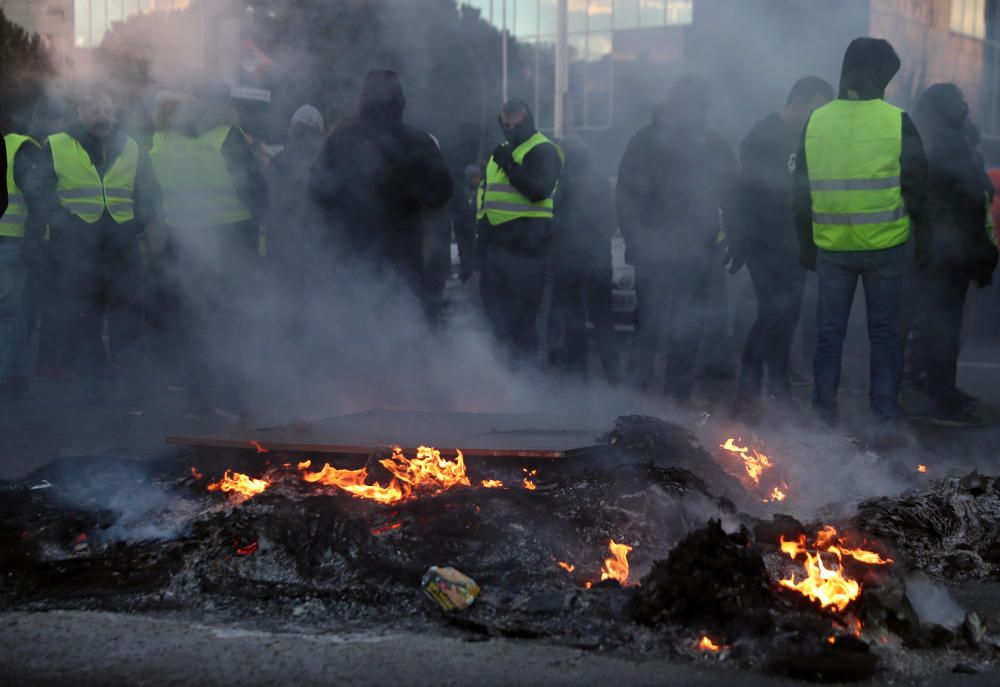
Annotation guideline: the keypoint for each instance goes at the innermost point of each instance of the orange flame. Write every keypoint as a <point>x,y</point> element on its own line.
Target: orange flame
<point>491,484</point>
<point>239,484</point>
<point>616,567</point>
<point>707,644</point>
<point>529,484</point>
<point>568,567</point>
<point>777,494</point>
<point>195,473</point>
<point>754,461</point>
<point>428,473</point>
<point>827,586</point>
<point>353,482</point>
<point>921,468</point>
<point>260,449</point>
<point>304,465</point>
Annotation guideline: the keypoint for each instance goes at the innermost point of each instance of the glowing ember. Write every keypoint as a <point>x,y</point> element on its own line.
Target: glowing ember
<point>256,445</point>
<point>238,484</point>
<point>827,586</point>
<point>491,484</point>
<point>428,473</point>
<point>195,473</point>
<point>304,465</point>
<point>529,485</point>
<point>754,461</point>
<point>616,567</point>
<point>386,528</point>
<point>777,494</point>
<point>568,567</point>
<point>832,639</point>
<point>246,550</point>
<point>707,644</point>
<point>921,468</point>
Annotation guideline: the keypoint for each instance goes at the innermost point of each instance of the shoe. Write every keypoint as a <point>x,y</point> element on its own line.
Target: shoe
<point>799,378</point>
<point>959,419</point>
<point>17,387</point>
<point>53,374</point>
<point>746,407</point>
<point>969,402</point>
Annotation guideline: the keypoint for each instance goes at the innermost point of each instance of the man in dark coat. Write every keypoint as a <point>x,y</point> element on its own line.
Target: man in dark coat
<point>675,177</point>
<point>765,233</point>
<point>580,258</point>
<point>957,199</point>
<point>373,180</point>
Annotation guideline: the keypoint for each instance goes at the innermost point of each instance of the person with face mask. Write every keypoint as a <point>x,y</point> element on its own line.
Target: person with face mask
<point>766,236</point>
<point>674,180</point>
<point>514,215</point>
<point>95,190</point>
<point>860,188</point>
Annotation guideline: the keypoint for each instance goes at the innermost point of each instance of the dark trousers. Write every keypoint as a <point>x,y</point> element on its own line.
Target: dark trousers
<point>678,286</point>
<point>940,323</point>
<point>778,286</point>
<point>94,284</point>
<point>515,281</point>
<point>575,294</point>
<point>40,301</point>
<point>881,273</point>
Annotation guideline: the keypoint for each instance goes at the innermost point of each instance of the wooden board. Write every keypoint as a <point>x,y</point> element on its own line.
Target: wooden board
<point>476,434</point>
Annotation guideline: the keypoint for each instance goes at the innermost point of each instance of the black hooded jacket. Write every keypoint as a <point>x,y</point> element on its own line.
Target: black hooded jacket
<point>673,179</point>
<point>869,65</point>
<point>373,179</point>
<point>957,188</point>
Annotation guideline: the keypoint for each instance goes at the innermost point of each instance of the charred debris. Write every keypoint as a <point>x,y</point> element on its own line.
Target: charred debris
<point>648,547</point>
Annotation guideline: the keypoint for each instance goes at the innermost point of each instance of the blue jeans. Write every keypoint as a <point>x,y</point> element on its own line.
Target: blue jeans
<point>881,273</point>
<point>13,333</point>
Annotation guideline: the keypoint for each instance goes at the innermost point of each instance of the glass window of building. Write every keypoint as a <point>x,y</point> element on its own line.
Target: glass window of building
<point>968,17</point>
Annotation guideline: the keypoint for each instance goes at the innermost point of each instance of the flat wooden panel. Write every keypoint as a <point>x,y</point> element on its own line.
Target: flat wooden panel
<point>476,434</point>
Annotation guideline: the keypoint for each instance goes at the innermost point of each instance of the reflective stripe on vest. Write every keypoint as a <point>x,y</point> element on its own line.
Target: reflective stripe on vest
<point>198,190</point>
<point>12,221</point>
<point>852,152</point>
<point>80,188</point>
<point>500,202</point>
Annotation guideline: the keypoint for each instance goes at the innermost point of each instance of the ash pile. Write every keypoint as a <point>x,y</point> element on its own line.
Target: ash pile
<point>648,548</point>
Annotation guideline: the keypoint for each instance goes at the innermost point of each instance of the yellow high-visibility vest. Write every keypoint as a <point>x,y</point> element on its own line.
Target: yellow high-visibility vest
<point>198,190</point>
<point>852,153</point>
<point>12,222</point>
<point>498,200</point>
<point>80,188</point>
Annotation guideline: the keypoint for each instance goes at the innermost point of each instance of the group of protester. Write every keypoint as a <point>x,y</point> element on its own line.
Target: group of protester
<point>840,183</point>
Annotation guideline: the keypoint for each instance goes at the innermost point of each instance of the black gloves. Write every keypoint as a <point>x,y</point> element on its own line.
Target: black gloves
<point>503,155</point>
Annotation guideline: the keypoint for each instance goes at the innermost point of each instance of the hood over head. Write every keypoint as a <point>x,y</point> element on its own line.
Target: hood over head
<point>687,104</point>
<point>382,98</point>
<point>869,65</point>
<point>941,105</point>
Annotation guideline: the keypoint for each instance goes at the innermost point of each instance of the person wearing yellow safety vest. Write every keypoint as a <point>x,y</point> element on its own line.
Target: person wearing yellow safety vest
<point>958,194</point>
<point>95,189</point>
<point>205,251</point>
<point>19,158</point>
<point>860,189</point>
<point>514,216</point>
